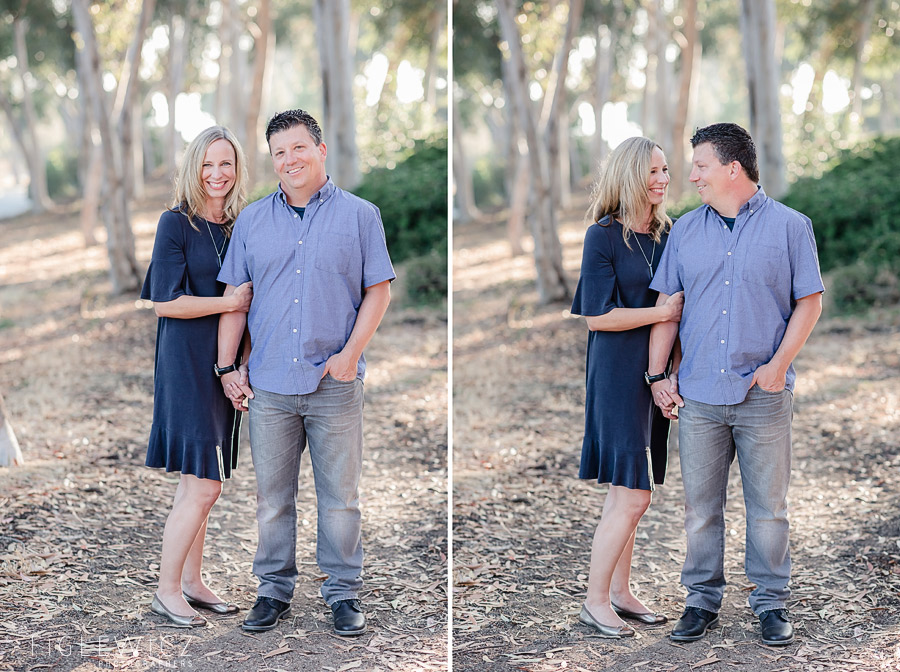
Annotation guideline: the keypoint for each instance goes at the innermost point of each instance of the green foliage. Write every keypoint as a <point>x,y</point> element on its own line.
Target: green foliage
<point>426,277</point>
<point>489,183</point>
<point>689,201</point>
<point>854,203</point>
<point>412,197</point>
<point>855,209</point>
<point>62,174</point>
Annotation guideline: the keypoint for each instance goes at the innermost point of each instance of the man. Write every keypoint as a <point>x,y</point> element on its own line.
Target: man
<point>752,295</point>
<point>321,275</point>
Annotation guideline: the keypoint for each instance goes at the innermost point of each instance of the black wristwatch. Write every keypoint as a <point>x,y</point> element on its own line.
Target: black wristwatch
<point>654,379</point>
<point>221,371</point>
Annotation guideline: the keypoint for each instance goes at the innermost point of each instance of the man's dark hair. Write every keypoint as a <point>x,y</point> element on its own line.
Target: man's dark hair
<point>291,119</point>
<point>731,143</point>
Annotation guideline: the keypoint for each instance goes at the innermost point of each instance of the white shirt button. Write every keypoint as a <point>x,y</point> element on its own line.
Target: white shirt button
<point>751,212</point>
<point>296,215</point>
<point>295,331</point>
<point>296,300</point>
<point>726,282</point>
<point>298,270</point>
<point>720,370</point>
<point>729,254</point>
<point>300,242</point>
<point>295,359</point>
<point>724,312</point>
<point>719,341</point>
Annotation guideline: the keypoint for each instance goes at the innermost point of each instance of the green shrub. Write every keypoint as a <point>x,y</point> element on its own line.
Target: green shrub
<point>854,203</point>
<point>426,277</point>
<point>489,183</point>
<point>412,197</point>
<point>690,200</point>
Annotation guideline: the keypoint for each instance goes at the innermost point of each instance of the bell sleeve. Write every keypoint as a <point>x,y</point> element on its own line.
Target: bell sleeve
<point>167,275</point>
<point>597,293</point>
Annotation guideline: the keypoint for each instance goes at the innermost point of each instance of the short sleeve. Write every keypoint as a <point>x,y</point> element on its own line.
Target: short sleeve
<point>376,262</point>
<point>596,293</point>
<point>665,279</point>
<point>234,266</point>
<point>806,278</point>
<point>167,275</point>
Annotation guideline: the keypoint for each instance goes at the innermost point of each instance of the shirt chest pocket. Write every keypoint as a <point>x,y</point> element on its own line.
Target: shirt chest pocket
<point>765,265</point>
<point>334,252</point>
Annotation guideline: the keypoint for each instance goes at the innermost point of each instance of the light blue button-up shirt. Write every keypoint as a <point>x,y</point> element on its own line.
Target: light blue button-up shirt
<point>740,289</point>
<point>308,278</point>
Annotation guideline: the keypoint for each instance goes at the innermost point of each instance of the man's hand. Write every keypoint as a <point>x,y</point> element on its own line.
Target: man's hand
<point>341,366</point>
<point>769,377</point>
<point>665,395</point>
<point>237,387</point>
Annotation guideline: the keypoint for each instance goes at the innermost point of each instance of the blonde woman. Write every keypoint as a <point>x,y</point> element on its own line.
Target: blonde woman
<point>195,427</point>
<point>625,434</point>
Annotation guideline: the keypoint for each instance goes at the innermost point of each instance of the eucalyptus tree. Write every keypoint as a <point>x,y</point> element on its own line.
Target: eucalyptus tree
<point>33,42</point>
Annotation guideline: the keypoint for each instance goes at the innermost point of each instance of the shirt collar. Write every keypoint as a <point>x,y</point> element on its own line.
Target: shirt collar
<point>754,204</point>
<point>322,194</point>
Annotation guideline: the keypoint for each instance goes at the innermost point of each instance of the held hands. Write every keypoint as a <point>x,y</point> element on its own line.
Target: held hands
<point>341,366</point>
<point>665,395</point>
<point>769,377</point>
<point>242,296</point>
<point>672,308</point>
<point>237,387</point>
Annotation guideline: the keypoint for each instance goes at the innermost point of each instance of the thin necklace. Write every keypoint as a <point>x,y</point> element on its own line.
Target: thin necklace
<point>225,240</point>
<point>644,254</point>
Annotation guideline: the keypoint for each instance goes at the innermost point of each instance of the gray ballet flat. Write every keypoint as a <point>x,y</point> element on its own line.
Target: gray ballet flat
<point>609,631</point>
<point>647,617</point>
<point>194,621</point>
<point>215,607</point>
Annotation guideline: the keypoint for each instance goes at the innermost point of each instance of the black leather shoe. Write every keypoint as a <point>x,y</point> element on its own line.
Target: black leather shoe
<point>349,620</point>
<point>693,624</point>
<point>776,628</point>
<point>265,614</point>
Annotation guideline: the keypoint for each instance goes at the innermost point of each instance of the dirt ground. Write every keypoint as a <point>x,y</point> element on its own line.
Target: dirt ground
<point>81,521</point>
<point>523,522</point>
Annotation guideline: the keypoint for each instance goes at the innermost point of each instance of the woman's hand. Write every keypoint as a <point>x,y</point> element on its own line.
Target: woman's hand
<point>242,296</point>
<point>671,309</point>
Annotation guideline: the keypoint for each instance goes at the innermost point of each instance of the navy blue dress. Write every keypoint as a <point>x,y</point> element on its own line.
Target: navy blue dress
<point>625,434</point>
<point>195,428</point>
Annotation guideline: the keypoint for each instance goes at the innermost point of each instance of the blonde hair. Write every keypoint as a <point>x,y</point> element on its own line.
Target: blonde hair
<point>190,196</point>
<point>621,190</point>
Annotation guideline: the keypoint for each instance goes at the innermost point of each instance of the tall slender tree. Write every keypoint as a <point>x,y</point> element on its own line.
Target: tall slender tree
<point>758,29</point>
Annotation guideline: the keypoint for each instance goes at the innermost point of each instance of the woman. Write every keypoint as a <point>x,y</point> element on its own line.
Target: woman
<point>625,434</point>
<point>195,427</point>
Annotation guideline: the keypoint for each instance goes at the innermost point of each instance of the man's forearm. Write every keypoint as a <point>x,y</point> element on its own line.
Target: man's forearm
<point>662,338</point>
<point>803,320</point>
<point>231,332</point>
<point>371,311</point>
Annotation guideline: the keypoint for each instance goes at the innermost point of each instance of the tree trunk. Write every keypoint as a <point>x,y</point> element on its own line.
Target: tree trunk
<point>518,204</point>
<point>10,452</point>
<point>90,200</point>
<point>124,273</point>
<point>178,31</point>
<point>864,30</point>
<point>465,198</point>
<point>551,280</point>
<point>123,108</point>
<point>758,30</point>
<point>264,38</point>
<point>332,19</point>
<point>604,68</point>
<point>228,42</point>
<point>434,51</point>
<point>39,195</point>
<point>688,42</point>
<point>649,106</point>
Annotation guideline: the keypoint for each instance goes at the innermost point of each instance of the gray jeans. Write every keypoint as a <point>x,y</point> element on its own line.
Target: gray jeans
<point>330,421</point>
<point>758,431</point>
